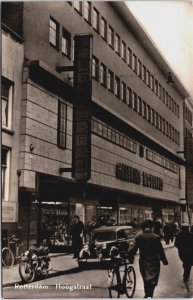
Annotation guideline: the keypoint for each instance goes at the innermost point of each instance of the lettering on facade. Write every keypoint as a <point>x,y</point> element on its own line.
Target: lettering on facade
<point>134,175</point>
<point>81,157</point>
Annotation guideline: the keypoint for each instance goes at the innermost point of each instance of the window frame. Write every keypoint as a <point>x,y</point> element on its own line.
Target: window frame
<point>103,75</point>
<point>9,86</point>
<point>88,8</point>
<point>67,36</point>
<point>111,38</point>
<point>56,44</point>
<point>95,71</point>
<point>5,173</point>
<point>60,143</point>
<point>117,44</point>
<point>96,17</point>
<point>103,21</point>
<point>110,81</point>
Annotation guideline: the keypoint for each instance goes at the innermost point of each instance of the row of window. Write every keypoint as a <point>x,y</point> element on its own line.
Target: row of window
<point>130,97</point>
<point>92,16</point>
<point>188,116</point>
<point>102,129</point>
<point>161,161</point>
<point>112,135</point>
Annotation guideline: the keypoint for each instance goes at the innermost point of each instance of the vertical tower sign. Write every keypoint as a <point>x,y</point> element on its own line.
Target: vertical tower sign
<point>81,153</point>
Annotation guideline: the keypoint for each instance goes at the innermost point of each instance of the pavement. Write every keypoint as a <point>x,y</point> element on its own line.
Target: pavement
<point>10,277</point>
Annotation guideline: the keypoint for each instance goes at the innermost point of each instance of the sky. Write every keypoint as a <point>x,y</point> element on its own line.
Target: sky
<point>170,26</point>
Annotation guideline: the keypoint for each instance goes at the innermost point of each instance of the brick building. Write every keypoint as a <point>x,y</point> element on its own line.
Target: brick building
<point>137,124</point>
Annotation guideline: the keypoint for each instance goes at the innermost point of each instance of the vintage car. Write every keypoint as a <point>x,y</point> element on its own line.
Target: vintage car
<point>103,239</point>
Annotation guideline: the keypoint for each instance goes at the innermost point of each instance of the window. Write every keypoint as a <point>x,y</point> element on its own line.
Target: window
<point>152,83</point>
<point>95,68</point>
<point>139,106</point>
<point>163,95</point>
<point>156,120</point>
<point>129,57</point>
<point>152,116</point>
<point>5,172</point>
<point>160,123</point>
<point>129,97</point>
<point>87,11</point>
<point>111,36</point>
<point>123,51</point>
<point>66,42</point>
<point>160,91</point>
<point>62,123</point>
<point>144,110</point>
<point>139,71</point>
<point>104,28</point>
<point>6,105</point>
<point>166,98</point>
<point>117,44</point>
<point>144,73</point>
<point>54,33</point>
<point>169,102</point>
<point>148,113</point>
<point>117,86</point>
<point>134,63</point>
<point>156,86</point>
<point>134,101</point>
<point>95,19</point>
<point>103,75</point>
<point>78,6</point>
<point>164,126</point>
<point>110,81</point>
<point>148,78</point>
<point>123,92</point>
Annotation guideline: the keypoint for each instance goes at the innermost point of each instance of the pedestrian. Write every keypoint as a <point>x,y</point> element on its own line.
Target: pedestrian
<point>168,234</point>
<point>184,244</point>
<point>134,223</point>
<point>157,227</point>
<point>151,252</point>
<point>78,233</point>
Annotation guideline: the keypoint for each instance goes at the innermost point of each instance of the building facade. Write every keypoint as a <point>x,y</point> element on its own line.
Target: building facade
<point>137,124</point>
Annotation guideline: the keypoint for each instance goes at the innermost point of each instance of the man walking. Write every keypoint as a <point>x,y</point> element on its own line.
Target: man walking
<point>151,252</point>
<point>184,244</point>
<point>78,232</point>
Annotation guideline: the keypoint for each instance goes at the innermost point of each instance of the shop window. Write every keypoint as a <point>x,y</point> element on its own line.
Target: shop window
<point>96,19</point>
<point>54,33</point>
<point>6,102</point>
<point>62,124</point>
<point>87,11</point>
<point>103,75</point>
<point>66,42</point>
<point>5,173</point>
<point>111,36</point>
<point>103,28</point>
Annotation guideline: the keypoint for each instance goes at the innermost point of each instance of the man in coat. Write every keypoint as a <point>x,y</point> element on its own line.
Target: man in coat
<point>78,232</point>
<point>151,252</point>
<point>184,244</point>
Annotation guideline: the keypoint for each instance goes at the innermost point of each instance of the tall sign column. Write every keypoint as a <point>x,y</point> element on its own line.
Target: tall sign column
<point>81,154</point>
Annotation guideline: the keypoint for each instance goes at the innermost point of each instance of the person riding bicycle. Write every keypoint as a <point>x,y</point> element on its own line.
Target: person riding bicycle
<point>151,252</point>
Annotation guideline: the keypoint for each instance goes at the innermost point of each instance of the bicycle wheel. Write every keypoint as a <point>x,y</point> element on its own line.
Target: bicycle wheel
<point>113,284</point>
<point>130,282</point>
<point>7,257</point>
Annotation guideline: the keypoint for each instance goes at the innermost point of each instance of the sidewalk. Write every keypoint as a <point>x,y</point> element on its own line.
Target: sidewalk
<point>11,276</point>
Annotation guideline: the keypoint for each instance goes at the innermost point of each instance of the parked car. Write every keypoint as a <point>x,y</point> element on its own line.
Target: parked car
<point>103,239</point>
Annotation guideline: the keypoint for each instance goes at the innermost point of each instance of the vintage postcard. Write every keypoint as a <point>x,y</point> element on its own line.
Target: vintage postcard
<point>97,149</point>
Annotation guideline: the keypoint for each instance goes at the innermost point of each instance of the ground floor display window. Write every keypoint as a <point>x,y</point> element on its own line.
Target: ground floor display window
<point>56,223</point>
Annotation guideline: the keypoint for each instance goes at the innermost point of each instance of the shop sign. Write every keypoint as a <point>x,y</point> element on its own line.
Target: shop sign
<point>9,211</point>
<point>81,159</point>
<point>134,175</point>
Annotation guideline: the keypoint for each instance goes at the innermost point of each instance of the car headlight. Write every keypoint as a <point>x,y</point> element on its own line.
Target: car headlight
<point>104,246</point>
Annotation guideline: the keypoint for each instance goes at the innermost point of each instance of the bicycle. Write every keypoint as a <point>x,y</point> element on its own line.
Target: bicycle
<point>121,284</point>
<point>8,256</point>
